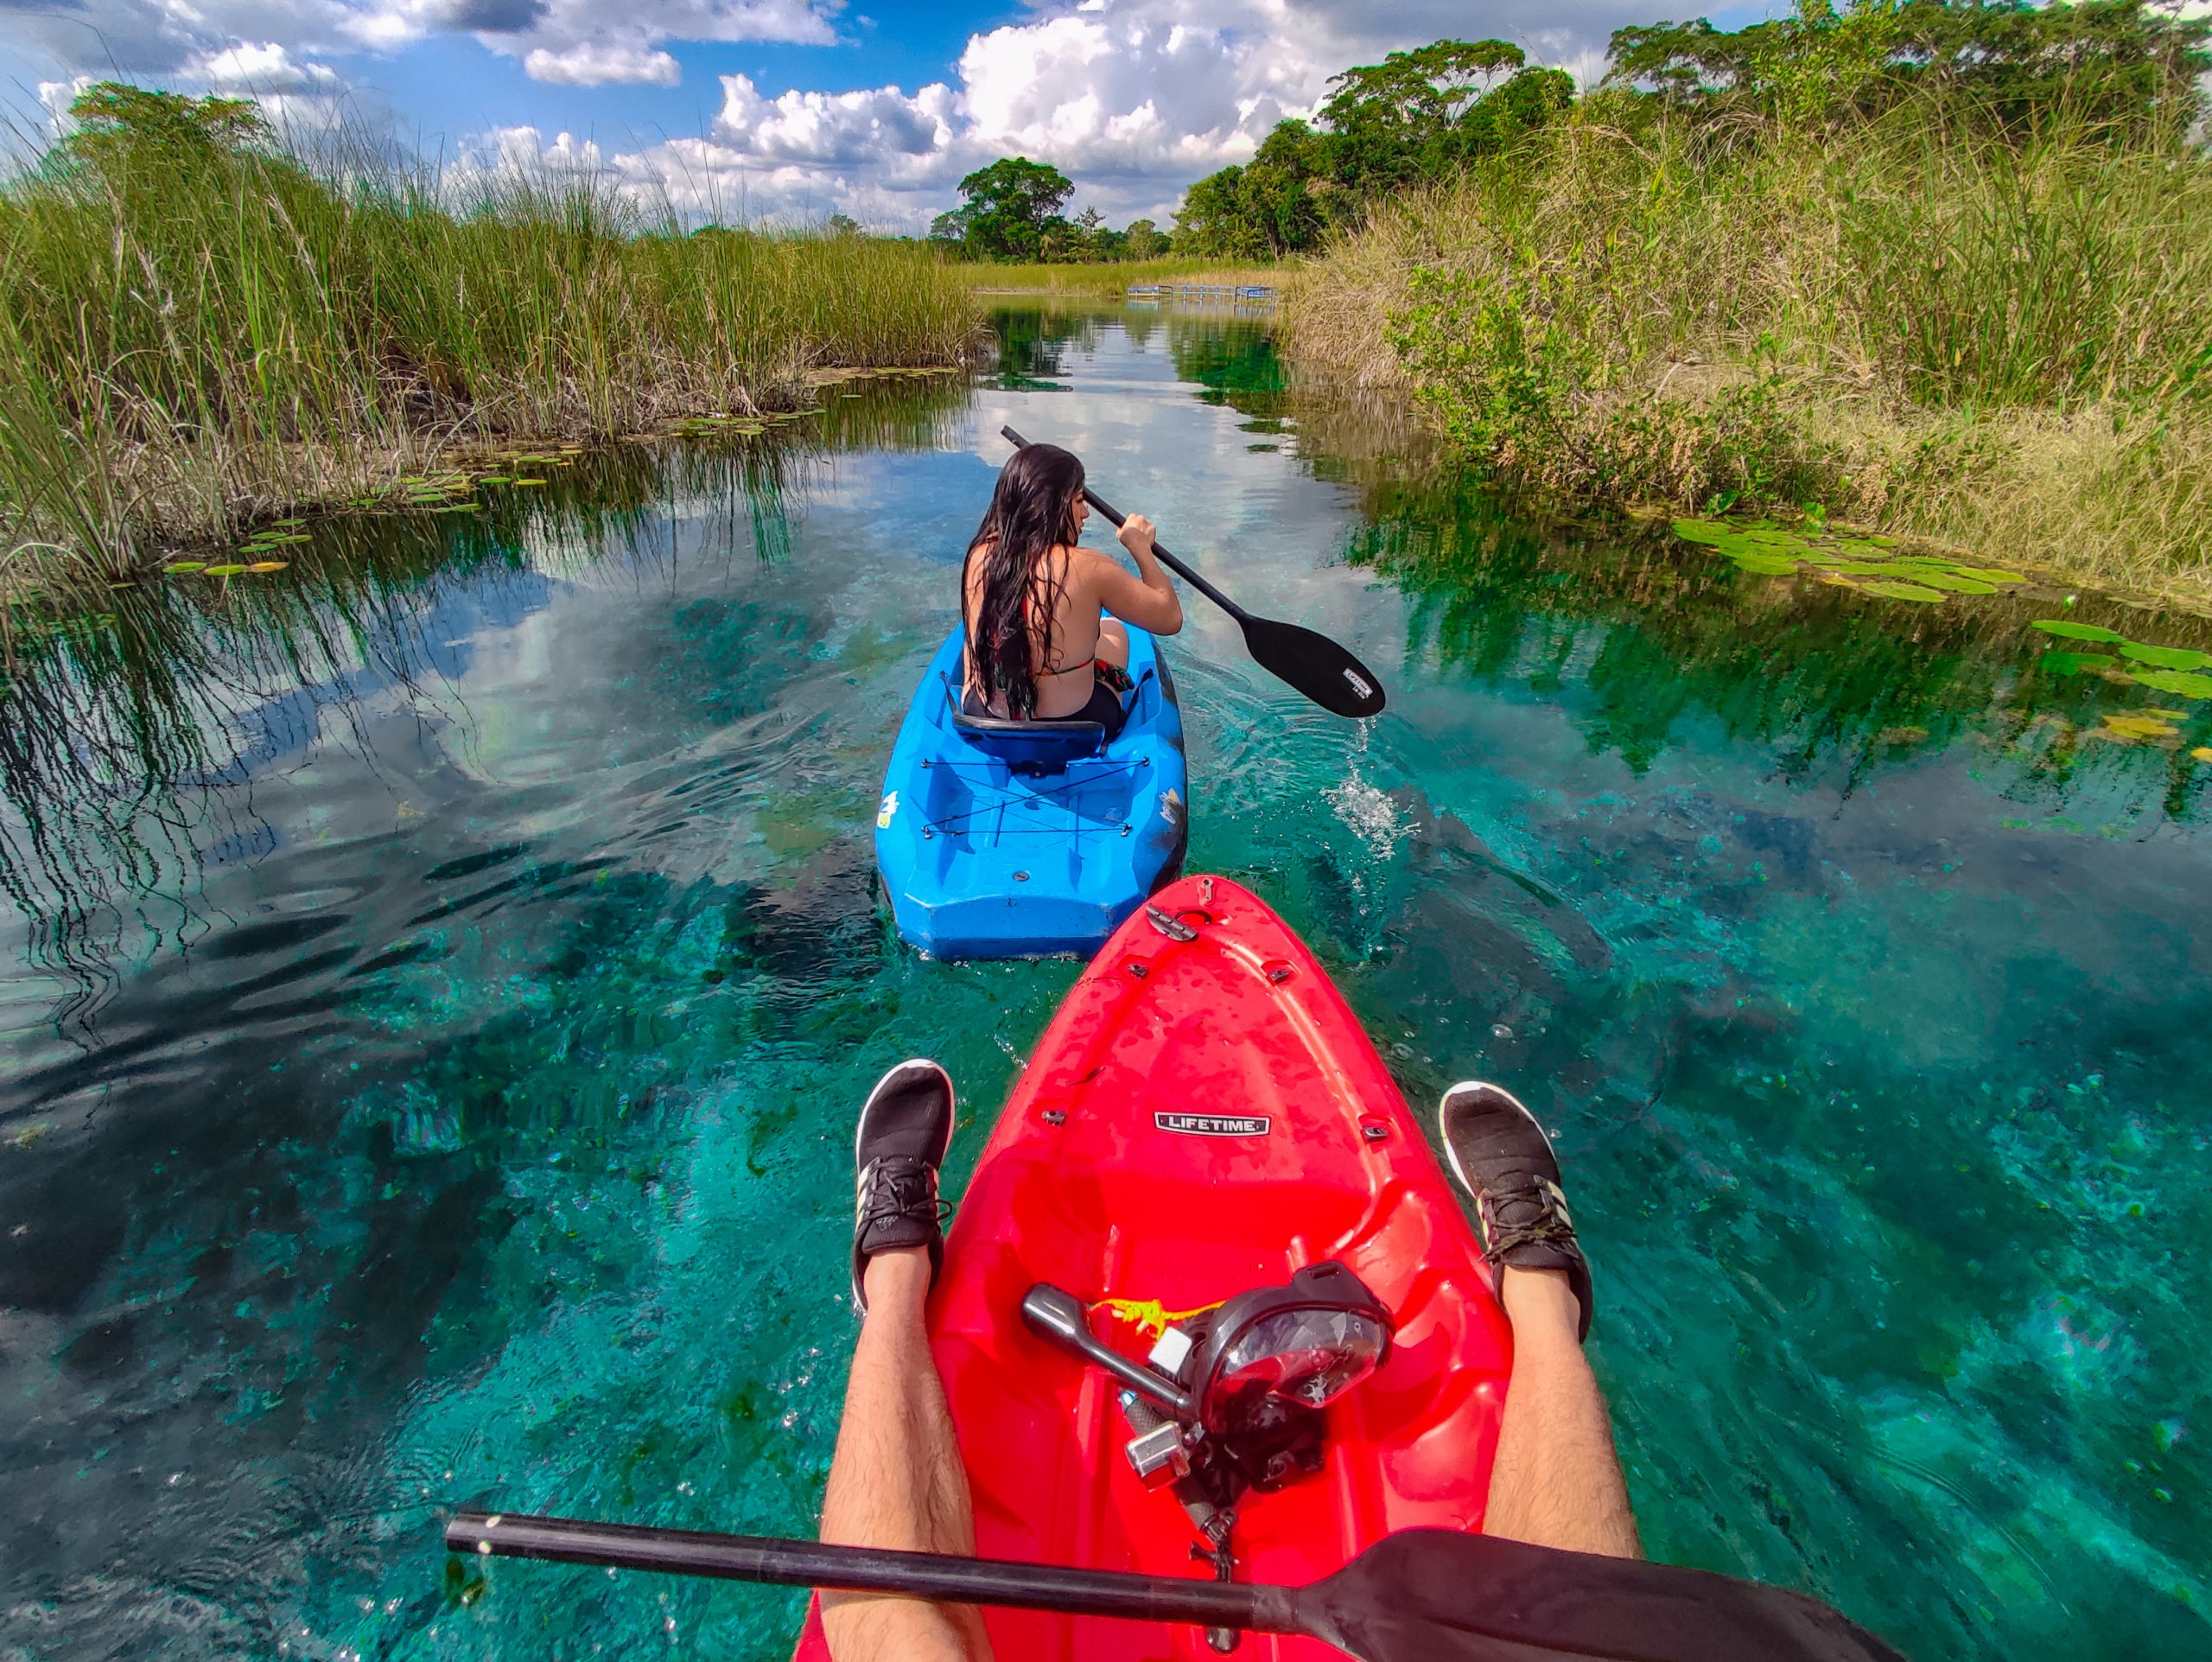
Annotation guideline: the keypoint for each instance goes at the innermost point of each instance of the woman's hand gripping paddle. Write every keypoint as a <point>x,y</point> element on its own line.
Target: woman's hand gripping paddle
<point>1313,663</point>
<point>1419,1595</point>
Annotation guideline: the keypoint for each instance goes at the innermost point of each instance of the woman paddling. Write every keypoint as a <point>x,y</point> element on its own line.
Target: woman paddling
<point>1042,646</point>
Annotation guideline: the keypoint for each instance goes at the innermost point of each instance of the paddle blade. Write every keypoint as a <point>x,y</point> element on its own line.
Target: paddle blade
<point>1440,1596</point>
<point>1315,665</point>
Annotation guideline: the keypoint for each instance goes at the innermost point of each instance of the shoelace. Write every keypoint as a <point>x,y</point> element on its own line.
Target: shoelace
<point>1550,1222</point>
<point>895,1189</point>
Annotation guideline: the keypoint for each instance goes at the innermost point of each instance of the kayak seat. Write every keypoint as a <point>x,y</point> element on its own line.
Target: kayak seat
<point>1028,746</point>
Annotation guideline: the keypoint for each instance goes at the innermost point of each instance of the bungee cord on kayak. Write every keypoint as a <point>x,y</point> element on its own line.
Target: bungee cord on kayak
<point>1005,797</point>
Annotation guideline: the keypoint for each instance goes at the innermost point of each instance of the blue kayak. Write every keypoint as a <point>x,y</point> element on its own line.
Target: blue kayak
<point>1024,839</point>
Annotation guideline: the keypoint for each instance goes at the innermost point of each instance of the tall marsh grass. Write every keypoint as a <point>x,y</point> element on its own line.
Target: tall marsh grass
<point>188,341</point>
<point>1915,321</point>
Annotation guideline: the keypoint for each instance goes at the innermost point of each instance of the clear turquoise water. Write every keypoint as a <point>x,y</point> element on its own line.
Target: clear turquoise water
<point>433,1021</point>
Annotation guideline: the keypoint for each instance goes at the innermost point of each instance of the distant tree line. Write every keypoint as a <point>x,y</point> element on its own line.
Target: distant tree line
<point>1420,116</point>
<point>1011,210</point>
<point>2022,61</point>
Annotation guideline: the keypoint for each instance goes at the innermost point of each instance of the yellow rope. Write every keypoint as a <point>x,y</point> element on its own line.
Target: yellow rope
<point>1147,1315</point>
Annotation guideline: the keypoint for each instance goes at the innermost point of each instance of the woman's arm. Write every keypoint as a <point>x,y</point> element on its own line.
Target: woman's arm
<point>1146,601</point>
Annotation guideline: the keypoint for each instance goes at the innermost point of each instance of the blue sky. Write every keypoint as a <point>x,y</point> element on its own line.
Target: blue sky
<point>787,110</point>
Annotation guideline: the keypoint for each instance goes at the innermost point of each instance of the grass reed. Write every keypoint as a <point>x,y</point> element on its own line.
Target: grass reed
<point>1916,321</point>
<point>188,346</point>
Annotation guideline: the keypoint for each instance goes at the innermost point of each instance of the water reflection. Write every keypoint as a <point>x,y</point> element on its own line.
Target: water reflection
<point>1644,635</point>
<point>134,733</point>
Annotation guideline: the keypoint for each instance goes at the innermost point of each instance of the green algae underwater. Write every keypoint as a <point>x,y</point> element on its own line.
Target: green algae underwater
<point>441,974</point>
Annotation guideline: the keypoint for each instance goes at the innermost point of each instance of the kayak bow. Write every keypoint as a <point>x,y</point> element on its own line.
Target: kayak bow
<point>1206,1116</point>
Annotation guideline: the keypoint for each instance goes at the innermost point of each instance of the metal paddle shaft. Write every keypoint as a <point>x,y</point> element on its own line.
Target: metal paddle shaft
<point>875,1570</point>
<point>1310,661</point>
<point>1419,1595</point>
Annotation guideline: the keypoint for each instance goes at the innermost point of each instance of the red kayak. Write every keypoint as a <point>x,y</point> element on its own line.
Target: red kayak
<point>1205,1119</point>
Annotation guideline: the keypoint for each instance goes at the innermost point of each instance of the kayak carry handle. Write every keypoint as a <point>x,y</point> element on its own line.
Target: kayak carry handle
<point>1056,1317</point>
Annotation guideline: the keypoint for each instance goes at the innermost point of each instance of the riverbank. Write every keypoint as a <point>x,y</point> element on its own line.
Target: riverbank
<point>1910,323</point>
<point>198,335</point>
<point>1117,277</point>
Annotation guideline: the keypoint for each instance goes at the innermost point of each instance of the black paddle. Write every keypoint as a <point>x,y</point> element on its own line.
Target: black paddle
<point>1313,663</point>
<point>1419,1595</point>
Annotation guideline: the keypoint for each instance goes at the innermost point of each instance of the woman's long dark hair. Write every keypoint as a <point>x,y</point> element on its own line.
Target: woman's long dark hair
<point>1032,511</point>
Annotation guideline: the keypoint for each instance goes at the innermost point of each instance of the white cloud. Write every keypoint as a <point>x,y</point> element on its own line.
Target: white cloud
<point>1132,99</point>
<point>835,127</point>
<point>268,68</point>
<point>593,64</point>
<point>579,41</point>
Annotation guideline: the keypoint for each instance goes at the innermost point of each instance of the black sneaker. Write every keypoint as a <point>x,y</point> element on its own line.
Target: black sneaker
<point>1502,1157</point>
<point>906,1127</point>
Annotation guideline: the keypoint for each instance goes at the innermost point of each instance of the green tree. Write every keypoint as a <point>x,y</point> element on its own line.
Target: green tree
<point>1010,207</point>
<point>1394,123</point>
<point>1144,240</point>
<point>1269,208</point>
<point>164,129</point>
<point>2117,60</point>
<point>1412,118</point>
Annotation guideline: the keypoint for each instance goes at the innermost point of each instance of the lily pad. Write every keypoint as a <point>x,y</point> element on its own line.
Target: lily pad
<point>1902,591</point>
<point>183,566</point>
<point>2059,663</point>
<point>2144,727</point>
<point>2062,628</point>
<point>268,566</point>
<point>496,479</point>
<point>1764,565</point>
<point>223,571</point>
<point>1985,574</point>
<point>2165,658</point>
<point>2183,683</point>
<point>529,481</point>
<point>2203,752</point>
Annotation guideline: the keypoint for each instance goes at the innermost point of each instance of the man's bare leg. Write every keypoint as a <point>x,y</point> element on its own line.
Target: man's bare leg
<point>896,1479</point>
<point>1556,1481</point>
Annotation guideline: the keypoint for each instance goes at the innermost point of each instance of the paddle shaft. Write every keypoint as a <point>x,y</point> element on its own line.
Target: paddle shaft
<point>874,1569</point>
<point>1115,518</point>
